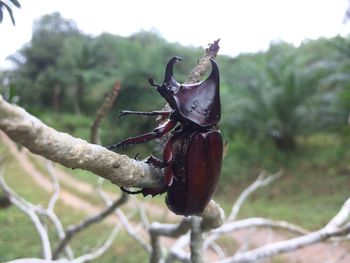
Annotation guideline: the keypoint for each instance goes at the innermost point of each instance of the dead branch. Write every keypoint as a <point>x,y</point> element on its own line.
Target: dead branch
<point>97,253</point>
<point>50,213</point>
<point>73,230</point>
<point>30,211</point>
<point>338,226</point>
<point>71,152</point>
<point>123,220</point>
<point>177,253</point>
<point>103,111</point>
<point>203,65</point>
<point>196,244</point>
<point>262,180</point>
<point>259,222</point>
<point>170,230</point>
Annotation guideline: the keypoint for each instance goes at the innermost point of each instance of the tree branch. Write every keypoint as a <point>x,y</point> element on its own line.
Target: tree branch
<point>262,180</point>
<point>71,152</point>
<point>29,210</point>
<point>103,111</point>
<point>204,63</point>
<point>73,230</point>
<point>123,220</point>
<point>99,251</point>
<point>50,213</point>
<point>196,244</point>
<point>338,226</point>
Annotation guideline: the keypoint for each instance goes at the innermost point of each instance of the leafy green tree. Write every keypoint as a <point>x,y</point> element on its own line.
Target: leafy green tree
<point>37,75</point>
<point>283,96</point>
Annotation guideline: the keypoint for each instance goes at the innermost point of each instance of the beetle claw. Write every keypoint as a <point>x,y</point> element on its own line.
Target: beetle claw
<point>151,160</point>
<point>131,192</point>
<point>116,146</point>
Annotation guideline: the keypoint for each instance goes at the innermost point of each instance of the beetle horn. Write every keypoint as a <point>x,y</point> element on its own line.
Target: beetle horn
<point>169,78</point>
<point>214,75</point>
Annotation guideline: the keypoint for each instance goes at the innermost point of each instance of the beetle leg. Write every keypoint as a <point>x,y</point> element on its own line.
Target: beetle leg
<point>152,113</point>
<point>167,156</point>
<point>156,133</point>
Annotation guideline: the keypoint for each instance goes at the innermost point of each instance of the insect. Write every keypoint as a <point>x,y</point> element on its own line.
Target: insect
<point>192,156</point>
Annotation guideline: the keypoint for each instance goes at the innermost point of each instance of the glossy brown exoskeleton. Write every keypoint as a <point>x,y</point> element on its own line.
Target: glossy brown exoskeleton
<point>193,154</point>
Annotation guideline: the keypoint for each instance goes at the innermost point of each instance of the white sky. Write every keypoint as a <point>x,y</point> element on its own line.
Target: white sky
<point>242,25</point>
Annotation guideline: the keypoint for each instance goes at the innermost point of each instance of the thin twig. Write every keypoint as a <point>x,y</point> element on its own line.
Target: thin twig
<point>177,253</point>
<point>50,213</point>
<point>28,209</point>
<point>123,219</point>
<point>103,111</point>
<point>326,233</point>
<point>170,230</point>
<point>262,180</point>
<point>101,250</point>
<point>203,65</point>
<point>73,230</point>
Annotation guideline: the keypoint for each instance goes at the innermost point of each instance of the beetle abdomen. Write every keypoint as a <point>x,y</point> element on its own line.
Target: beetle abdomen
<point>196,176</point>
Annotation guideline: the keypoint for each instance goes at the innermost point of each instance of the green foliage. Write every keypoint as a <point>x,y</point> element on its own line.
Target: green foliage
<point>285,93</point>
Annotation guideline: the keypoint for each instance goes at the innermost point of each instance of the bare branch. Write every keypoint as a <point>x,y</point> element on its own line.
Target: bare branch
<point>196,243</point>
<point>123,220</point>
<point>177,253</point>
<point>340,219</point>
<point>50,210</point>
<point>143,215</point>
<point>204,63</point>
<point>332,229</point>
<point>218,250</point>
<point>171,230</point>
<point>156,254</point>
<point>103,111</point>
<point>286,246</point>
<point>72,152</point>
<point>101,250</point>
<point>252,223</point>
<point>262,180</point>
<point>28,209</point>
<point>56,186</point>
<point>73,230</point>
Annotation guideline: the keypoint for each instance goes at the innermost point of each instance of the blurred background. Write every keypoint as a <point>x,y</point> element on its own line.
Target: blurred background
<point>285,92</point>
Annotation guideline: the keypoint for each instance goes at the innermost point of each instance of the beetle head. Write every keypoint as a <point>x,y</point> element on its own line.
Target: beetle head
<point>197,102</point>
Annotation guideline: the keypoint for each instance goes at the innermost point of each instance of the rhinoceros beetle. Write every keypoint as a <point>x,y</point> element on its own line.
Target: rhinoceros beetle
<point>193,154</point>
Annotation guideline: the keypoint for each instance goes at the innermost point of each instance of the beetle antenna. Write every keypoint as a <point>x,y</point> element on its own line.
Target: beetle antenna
<point>151,82</point>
